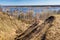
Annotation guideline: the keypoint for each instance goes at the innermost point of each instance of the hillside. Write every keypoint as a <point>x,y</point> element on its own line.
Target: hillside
<point>9,25</point>
<point>48,30</point>
<point>54,32</point>
<point>45,30</point>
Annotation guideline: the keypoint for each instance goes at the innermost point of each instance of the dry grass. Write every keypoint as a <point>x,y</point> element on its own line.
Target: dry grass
<point>8,26</point>
<point>54,32</point>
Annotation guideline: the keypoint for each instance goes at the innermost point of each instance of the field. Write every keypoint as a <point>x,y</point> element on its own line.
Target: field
<point>44,26</point>
<point>9,25</point>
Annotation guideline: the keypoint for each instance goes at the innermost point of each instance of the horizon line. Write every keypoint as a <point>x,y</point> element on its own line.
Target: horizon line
<point>30,5</point>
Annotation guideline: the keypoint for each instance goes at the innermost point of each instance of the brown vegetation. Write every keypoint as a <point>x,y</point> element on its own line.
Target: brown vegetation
<point>12,25</point>
<point>9,25</point>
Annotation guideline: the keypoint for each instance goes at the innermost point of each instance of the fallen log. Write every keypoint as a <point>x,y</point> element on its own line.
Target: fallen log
<point>28,30</point>
<point>36,30</point>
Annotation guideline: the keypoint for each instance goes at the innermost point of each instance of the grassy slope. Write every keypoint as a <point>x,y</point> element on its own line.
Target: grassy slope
<point>8,26</point>
<point>54,32</point>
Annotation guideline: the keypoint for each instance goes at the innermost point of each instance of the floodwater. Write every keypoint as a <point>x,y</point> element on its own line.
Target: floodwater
<point>35,9</point>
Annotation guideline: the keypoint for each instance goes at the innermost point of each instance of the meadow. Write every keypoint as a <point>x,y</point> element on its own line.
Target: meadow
<point>13,23</point>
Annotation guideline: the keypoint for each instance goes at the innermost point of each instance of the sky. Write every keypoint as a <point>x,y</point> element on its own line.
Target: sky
<point>29,2</point>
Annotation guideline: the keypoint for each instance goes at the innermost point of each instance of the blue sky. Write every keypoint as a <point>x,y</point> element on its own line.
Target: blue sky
<point>29,2</point>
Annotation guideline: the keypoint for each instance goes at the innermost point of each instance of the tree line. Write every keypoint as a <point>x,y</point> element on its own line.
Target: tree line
<point>30,16</point>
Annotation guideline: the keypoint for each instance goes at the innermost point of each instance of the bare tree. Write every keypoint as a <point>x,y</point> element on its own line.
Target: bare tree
<point>30,14</point>
<point>0,9</point>
<point>37,17</point>
<point>21,15</point>
<point>58,12</point>
<point>15,13</point>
